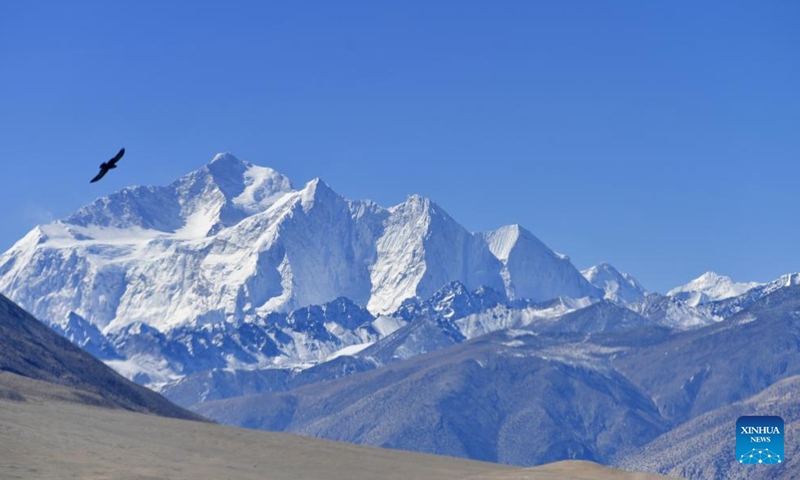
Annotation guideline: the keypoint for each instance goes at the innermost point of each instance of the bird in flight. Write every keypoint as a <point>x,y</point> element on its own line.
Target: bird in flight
<point>106,166</point>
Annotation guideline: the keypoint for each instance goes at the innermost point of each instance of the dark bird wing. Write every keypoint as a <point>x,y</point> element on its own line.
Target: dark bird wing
<point>116,158</point>
<point>106,166</point>
<point>103,170</point>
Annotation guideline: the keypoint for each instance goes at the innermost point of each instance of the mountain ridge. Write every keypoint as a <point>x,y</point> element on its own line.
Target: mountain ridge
<point>36,361</point>
<point>243,285</point>
<point>233,244</point>
<point>709,287</point>
<point>251,216</point>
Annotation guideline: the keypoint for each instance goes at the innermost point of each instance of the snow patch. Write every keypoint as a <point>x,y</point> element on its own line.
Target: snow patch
<point>350,351</point>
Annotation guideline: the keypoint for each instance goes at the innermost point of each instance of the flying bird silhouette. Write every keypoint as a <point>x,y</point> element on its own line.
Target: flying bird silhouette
<point>106,166</point>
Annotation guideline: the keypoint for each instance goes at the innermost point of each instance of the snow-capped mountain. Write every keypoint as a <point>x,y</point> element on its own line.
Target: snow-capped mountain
<point>151,273</point>
<point>531,270</point>
<point>618,286</point>
<point>733,305</point>
<point>421,249</point>
<point>611,396</point>
<point>230,282</point>
<point>682,312</point>
<point>710,287</point>
<point>674,313</point>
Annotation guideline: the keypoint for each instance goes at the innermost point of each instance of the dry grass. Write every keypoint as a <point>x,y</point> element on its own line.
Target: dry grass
<point>50,436</point>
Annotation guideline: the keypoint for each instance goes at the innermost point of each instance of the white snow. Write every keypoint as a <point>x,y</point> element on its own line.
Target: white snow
<point>262,188</point>
<point>710,287</point>
<point>502,241</point>
<point>502,317</point>
<point>231,243</point>
<point>421,249</point>
<point>532,270</point>
<point>156,369</point>
<point>386,324</point>
<point>788,280</point>
<point>348,351</point>
<point>618,286</point>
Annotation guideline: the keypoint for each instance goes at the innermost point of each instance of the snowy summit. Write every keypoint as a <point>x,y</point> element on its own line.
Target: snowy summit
<point>233,242</point>
<point>710,287</point>
<point>618,286</point>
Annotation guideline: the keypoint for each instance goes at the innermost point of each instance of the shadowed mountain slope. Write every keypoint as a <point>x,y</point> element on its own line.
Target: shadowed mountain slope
<point>704,447</point>
<point>690,373</point>
<point>493,398</point>
<point>36,362</point>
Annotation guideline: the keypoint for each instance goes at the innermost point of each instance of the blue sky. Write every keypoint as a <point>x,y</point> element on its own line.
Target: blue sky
<point>659,136</point>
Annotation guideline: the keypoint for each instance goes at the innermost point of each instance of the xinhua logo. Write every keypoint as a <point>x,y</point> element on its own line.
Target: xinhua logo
<point>759,440</point>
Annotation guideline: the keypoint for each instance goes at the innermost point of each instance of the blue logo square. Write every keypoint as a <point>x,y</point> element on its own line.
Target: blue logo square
<point>759,440</point>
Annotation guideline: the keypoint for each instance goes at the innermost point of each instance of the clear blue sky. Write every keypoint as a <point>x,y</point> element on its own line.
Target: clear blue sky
<point>660,136</point>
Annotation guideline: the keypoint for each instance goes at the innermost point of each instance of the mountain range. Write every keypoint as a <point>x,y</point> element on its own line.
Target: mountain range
<point>63,414</point>
<point>261,305</point>
<point>491,397</point>
<point>710,287</point>
<point>216,270</point>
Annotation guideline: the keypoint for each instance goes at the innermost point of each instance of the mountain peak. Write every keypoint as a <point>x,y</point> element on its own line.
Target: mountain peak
<point>618,286</point>
<point>416,203</point>
<point>233,176</point>
<point>317,183</point>
<point>710,276</point>
<point>245,189</point>
<point>524,257</point>
<point>710,286</point>
<point>219,194</point>
<point>416,198</point>
<point>421,207</point>
<point>228,172</point>
<point>502,240</point>
<point>602,268</point>
<point>315,191</point>
<point>225,158</point>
